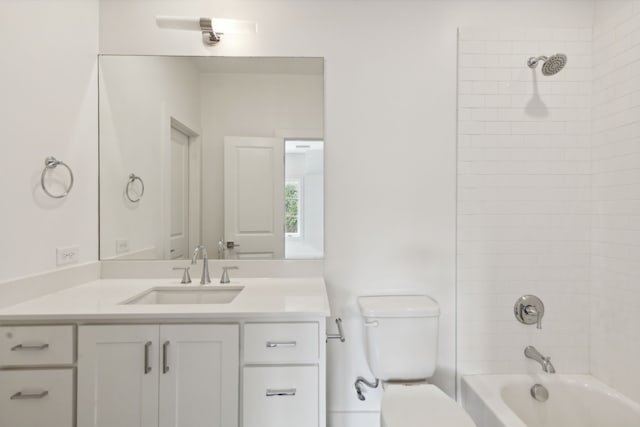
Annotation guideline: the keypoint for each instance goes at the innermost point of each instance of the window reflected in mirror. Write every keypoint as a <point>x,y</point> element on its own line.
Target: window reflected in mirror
<point>303,198</point>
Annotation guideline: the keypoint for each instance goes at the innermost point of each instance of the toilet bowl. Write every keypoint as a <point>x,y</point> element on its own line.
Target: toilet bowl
<point>401,334</point>
<point>421,405</point>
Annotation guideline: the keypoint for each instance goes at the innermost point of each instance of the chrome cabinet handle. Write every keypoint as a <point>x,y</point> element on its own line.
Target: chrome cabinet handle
<point>147,362</point>
<point>165,357</point>
<point>276,344</point>
<point>23,396</point>
<point>28,347</point>
<point>280,392</point>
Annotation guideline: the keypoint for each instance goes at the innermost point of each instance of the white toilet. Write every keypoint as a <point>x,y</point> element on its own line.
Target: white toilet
<point>401,335</point>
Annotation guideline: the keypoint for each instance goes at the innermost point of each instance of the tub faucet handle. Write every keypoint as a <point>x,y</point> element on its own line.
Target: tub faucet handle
<point>532,311</point>
<point>529,309</point>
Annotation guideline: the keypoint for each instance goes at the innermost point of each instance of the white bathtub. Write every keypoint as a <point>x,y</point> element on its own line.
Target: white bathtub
<point>574,401</point>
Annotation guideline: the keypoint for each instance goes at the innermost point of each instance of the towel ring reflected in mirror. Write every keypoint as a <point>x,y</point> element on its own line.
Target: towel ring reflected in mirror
<point>51,163</point>
<point>132,179</point>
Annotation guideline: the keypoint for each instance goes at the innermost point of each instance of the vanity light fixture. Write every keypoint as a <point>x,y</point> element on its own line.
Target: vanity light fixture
<point>212,28</point>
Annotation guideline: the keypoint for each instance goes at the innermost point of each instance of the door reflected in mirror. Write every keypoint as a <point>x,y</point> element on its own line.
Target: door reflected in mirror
<point>230,152</point>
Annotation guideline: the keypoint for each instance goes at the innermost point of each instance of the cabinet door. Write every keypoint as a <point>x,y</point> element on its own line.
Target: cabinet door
<point>199,375</point>
<point>118,376</point>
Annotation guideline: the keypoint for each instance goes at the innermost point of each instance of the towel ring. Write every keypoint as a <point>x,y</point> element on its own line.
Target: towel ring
<point>52,163</point>
<point>133,178</point>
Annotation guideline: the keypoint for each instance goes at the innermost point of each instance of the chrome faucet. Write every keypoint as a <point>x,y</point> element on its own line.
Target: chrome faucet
<point>532,353</point>
<point>205,263</point>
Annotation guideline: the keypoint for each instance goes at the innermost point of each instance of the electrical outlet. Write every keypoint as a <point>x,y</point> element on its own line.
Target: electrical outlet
<point>68,255</point>
<point>122,246</point>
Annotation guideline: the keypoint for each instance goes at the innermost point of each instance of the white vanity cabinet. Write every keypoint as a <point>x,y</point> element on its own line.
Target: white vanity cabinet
<point>93,361</point>
<point>158,375</point>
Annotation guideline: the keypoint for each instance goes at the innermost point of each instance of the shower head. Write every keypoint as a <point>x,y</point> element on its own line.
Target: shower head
<point>552,65</point>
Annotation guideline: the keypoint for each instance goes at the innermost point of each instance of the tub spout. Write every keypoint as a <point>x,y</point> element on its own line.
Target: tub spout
<point>532,353</point>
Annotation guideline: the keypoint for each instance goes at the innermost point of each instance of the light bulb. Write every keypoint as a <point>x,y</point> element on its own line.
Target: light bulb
<point>220,25</point>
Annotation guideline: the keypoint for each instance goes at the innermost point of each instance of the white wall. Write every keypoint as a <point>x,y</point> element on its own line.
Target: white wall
<point>615,336</point>
<point>137,97</point>
<point>247,104</point>
<point>390,128</point>
<point>523,198</point>
<point>48,107</point>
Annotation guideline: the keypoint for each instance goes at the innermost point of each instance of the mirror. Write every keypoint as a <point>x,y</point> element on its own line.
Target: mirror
<point>225,152</point>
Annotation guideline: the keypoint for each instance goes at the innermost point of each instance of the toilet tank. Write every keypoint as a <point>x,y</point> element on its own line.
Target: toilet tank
<point>401,335</point>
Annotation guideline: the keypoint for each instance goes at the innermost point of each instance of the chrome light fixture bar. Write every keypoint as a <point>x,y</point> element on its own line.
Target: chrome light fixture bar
<point>212,28</point>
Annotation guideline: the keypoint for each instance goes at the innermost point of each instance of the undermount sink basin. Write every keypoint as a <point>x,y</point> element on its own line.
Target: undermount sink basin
<point>182,295</point>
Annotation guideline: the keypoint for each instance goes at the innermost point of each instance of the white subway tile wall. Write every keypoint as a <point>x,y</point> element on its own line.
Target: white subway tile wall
<point>615,329</point>
<point>524,198</point>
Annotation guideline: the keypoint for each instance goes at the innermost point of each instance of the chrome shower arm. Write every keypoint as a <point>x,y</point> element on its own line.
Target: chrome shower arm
<point>533,61</point>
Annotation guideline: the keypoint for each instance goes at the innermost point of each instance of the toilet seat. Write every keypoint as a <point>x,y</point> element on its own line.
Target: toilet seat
<point>421,405</point>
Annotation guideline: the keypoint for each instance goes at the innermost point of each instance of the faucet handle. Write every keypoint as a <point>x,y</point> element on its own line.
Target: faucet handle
<point>532,311</point>
<point>186,277</point>
<point>529,309</point>
<point>225,275</point>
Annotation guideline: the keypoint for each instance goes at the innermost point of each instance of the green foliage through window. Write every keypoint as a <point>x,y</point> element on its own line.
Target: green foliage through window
<point>292,207</point>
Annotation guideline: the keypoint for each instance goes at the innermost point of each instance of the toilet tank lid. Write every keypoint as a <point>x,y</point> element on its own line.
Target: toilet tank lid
<point>398,306</point>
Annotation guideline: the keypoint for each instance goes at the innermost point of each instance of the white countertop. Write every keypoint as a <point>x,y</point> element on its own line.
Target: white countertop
<point>101,300</point>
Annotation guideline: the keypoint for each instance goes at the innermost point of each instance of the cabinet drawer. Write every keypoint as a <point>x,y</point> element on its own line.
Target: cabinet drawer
<point>36,345</point>
<point>36,398</point>
<point>280,342</point>
<point>280,396</point>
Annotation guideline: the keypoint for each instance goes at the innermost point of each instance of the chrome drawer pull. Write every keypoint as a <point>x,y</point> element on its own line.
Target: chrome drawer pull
<point>165,357</point>
<point>276,344</point>
<point>281,392</point>
<point>21,347</point>
<point>147,362</point>
<point>22,396</point>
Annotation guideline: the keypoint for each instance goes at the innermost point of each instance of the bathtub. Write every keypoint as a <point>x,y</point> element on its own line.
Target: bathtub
<point>574,401</point>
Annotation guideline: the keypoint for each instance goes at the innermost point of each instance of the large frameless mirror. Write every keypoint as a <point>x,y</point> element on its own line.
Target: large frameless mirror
<point>224,152</point>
